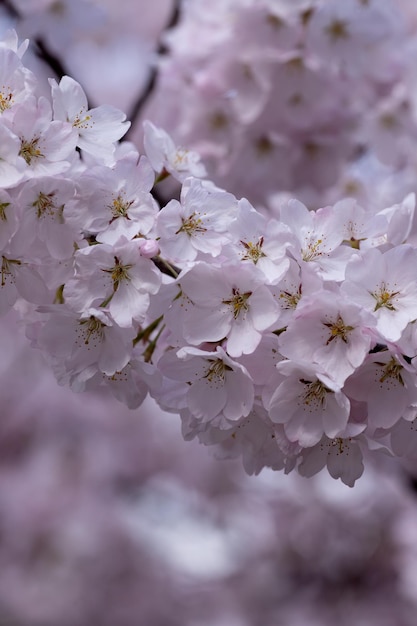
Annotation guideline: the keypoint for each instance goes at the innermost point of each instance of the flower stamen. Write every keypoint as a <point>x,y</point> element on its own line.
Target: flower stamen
<point>239,302</point>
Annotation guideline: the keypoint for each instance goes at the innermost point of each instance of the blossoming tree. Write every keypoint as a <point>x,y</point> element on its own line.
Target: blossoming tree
<point>284,337</point>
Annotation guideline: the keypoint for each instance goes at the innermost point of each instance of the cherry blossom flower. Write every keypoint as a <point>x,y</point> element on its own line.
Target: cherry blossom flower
<point>42,201</point>
<point>97,129</point>
<point>233,305</point>
<point>115,202</point>
<point>387,386</point>
<point>81,345</point>
<point>260,242</point>
<point>116,278</point>
<point>342,456</point>
<point>165,156</point>
<point>300,281</point>
<point>17,82</point>
<point>46,146</point>
<point>384,284</point>
<point>309,404</point>
<point>330,331</point>
<point>197,224</point>
<point>215,384</point>
<point>347,32</point>
<point>318,238</point>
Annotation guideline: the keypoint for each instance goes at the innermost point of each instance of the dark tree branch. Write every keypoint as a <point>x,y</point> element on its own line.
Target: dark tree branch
<point>42,51</point>
<point>40,48</point>
<point>150,85</point>
<point>161,200</point>
<point>57,66</point>
<point>10,8</point>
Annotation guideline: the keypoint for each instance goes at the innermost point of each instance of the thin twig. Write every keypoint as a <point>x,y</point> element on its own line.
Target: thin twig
<point>11,9</point>
<point>41,48</point>
<point>52,60</point>
<point>150,85</point>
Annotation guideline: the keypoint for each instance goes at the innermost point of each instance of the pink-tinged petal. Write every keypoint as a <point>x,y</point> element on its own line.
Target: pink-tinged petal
<point>263,309</point>
<point>68,98</point>
<point>206,399</point>
<point>60,141</point>
<point>183,365</point>
<point>404,438</point>
<point>157,144</point>
<point>115,354</point>
<point>335,413</point>
<point>345,461</point>
<point>60,242</point>
<point>216,288</point>
<point>242,339</point>
<point>31,286</point>
<point>314,459</point>
<point>127,304</point>
<point>305,427</point>
<point>206,325</point>
<point>240,395</point>
<point>105,126</point>
<point>8,296</point>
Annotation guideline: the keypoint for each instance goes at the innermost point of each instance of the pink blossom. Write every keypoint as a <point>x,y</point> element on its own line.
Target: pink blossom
<point>329,331</point>
<point>309,404</point>
<point>384,284</point>
<point>164,155</point>
<point>97,129</point>
<point>215,383</point>
<point>233,304</point>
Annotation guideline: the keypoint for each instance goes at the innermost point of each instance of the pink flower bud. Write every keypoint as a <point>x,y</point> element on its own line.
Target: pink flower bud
<point>149,248</point>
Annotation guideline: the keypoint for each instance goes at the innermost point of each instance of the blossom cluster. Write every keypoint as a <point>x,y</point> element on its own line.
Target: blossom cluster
<point>289,341</point>
<point>102,515</point>
<point>284,95</point>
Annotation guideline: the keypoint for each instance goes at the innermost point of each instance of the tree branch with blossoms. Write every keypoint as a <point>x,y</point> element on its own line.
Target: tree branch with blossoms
<point>289,340</point>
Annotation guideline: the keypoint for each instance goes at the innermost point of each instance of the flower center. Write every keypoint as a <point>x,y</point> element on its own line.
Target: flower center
<point>3,207</point>
<point>238,302</point>
<point>337,30</point>
<point>342,445</point>
<point>392,369</point>
<point>6,99</point>
<point>264,146</point>
<point>30,150</point>
<point>57,8</point>
<point>290,300</point>
<point>5,269</point>
<point>338,329</point>
<point>44,205</point>
<point>82,121</point>
<point>191,225</point>
<point>92,330</point>
<point>120,207</point>
<point>384,298</point>
<point>253,251</point>
<point>274,21</point>
<point>315,393</point>
<point>119,273</point>
<point>312,249</point>
<point>217,372</point>
<point>181,157</point>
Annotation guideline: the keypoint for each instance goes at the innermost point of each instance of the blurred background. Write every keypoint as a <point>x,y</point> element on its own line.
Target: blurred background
<point>107,516</point>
